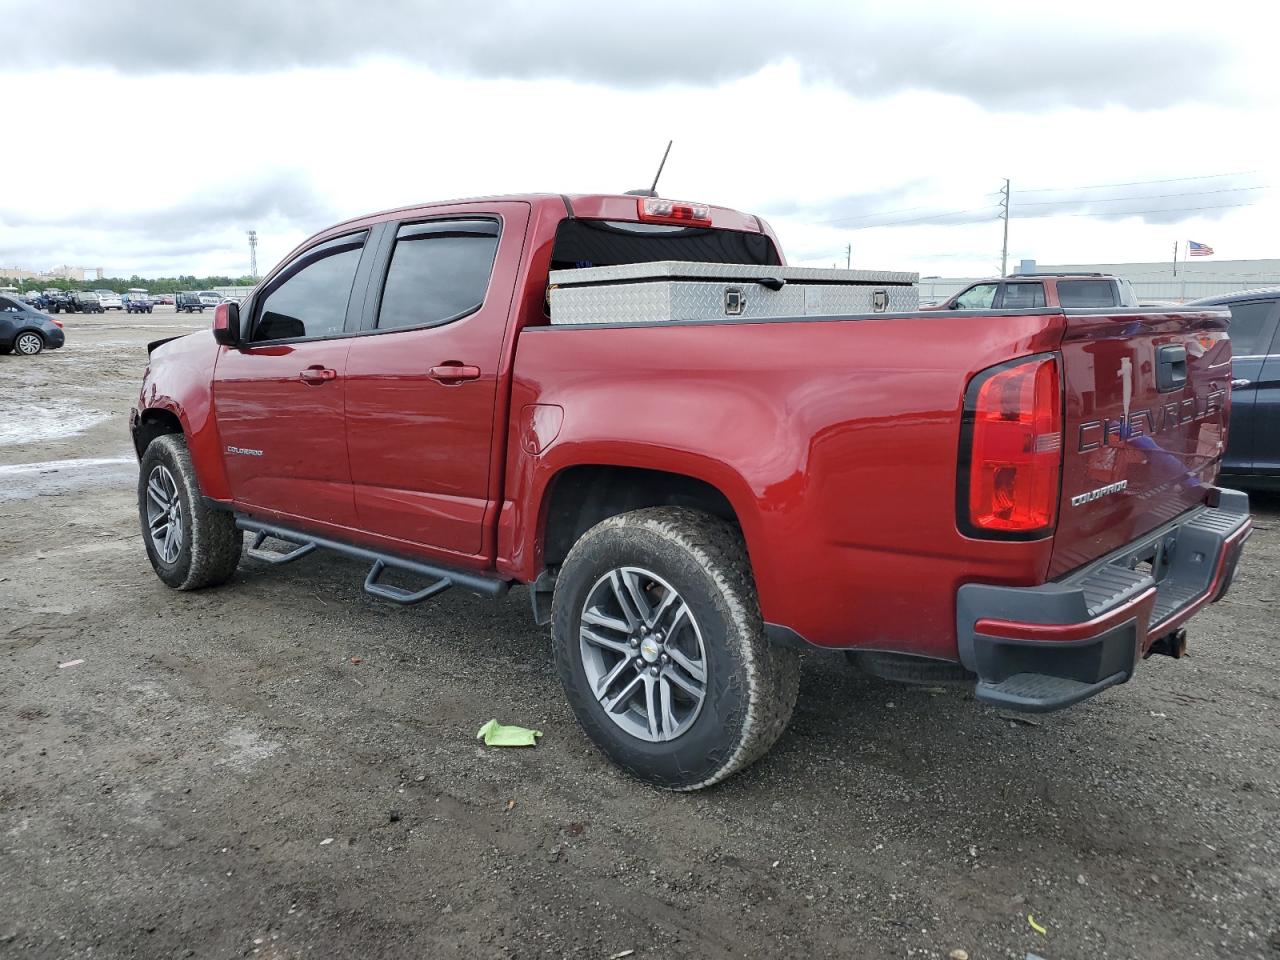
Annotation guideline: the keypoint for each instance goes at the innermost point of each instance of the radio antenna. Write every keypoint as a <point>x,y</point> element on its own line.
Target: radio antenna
<point>653,190</point>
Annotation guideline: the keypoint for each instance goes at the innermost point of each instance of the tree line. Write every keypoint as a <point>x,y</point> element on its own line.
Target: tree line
<point>120,285</point>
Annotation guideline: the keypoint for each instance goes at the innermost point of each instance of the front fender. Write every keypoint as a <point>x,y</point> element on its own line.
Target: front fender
<point>179,380</point>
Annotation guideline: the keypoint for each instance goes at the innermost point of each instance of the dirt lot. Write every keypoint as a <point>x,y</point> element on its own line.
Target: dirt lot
<point>218,778</point>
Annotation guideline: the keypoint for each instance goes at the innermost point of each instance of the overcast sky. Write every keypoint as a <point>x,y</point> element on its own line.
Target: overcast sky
<point>150,134</point>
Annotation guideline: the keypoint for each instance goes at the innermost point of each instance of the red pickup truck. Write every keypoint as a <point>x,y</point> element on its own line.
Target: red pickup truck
<point>1020,498</point>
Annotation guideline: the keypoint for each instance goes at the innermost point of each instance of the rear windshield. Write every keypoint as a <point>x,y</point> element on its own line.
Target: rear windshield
<point>1086,293</point>
<point>607,243</point>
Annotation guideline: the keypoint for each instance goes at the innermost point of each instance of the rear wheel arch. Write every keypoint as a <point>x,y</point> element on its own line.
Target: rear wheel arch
<point>583,495</point>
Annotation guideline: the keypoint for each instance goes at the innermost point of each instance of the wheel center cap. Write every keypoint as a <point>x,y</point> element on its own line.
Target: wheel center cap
<point>650,649</point>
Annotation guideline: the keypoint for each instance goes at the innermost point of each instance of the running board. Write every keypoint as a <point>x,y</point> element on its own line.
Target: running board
<point>442,578</point>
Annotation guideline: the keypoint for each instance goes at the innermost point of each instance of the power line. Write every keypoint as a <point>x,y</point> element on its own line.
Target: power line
<point>1135,213</point>
<point>1138,196</point>
<point>1138,183</point>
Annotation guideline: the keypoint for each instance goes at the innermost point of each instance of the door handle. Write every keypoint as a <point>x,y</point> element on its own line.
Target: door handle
<point>454,373</point>
<point>1240,383</point>
<point>317,375</point>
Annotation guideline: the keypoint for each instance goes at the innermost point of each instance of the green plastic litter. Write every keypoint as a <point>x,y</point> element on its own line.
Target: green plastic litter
<point>501,735</point>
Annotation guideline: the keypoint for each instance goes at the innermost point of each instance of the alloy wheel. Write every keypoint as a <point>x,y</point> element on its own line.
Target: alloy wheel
<point>643,654</point>
<point>164,514</point>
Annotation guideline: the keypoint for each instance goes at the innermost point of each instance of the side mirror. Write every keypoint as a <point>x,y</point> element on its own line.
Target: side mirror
<point>226,324</point>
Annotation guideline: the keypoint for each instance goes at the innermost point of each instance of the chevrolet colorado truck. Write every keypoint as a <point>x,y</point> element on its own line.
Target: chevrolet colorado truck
<point>1021,499</point>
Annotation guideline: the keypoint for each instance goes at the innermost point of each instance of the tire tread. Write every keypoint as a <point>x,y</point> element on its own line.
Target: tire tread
<point>216,541</point>
<point>772,673</point>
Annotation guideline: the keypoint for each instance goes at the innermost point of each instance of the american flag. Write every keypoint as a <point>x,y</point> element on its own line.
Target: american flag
<point>1199,249</point>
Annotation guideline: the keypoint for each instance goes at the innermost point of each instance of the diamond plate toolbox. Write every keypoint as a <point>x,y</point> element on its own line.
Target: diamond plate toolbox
<point>671,290</point>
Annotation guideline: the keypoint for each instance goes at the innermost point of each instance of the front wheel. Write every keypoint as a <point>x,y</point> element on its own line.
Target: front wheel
<point>661,650</point>
<point>190,544</point>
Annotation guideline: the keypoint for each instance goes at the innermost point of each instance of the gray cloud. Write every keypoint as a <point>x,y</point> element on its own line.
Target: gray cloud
<point>1042,58</point>
<point>202,228</point>
<point>284,196</point>
<point>914,204</point>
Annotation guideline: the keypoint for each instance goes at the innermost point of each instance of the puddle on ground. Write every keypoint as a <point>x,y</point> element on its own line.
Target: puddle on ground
<point>22,481</point>
<point>36,424</point>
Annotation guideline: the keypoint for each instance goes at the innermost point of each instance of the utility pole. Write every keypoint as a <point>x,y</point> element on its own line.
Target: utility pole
<point>1004,251</point>
<point>1175,258</point>
<point>253,253</point>
<point>848,256</point>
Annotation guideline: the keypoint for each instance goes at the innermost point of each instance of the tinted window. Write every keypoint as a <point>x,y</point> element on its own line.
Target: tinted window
<point>310,298</point>
<point>1086,293</point>
<point>1252,325</point>
<point>439,272</point>
<point>1023,296</point>
<point>977,298</point>
<point>606,243</point>
<point>7,304</point>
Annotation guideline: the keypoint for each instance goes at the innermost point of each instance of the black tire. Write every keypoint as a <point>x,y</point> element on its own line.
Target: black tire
<point>210,546</point>
<point>28,343</point>
<point>750,686</point>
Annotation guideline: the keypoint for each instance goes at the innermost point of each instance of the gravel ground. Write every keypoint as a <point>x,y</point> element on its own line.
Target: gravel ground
<point>284,767</point>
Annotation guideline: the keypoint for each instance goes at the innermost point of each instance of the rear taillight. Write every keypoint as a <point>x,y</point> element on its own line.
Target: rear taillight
<point>57,323</point>
<point>657,210</point>
<point>1012,435</point>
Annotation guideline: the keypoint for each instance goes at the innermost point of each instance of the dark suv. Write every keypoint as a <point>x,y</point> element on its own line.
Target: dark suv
<point>188,301</point>
<point>1253,445</point>
<point>25,330</point>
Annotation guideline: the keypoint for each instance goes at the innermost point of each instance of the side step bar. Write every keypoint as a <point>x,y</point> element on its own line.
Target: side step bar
<point>442,578</point>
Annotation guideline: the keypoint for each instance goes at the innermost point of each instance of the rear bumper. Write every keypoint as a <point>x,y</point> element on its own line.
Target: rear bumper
<point>1047,647</point>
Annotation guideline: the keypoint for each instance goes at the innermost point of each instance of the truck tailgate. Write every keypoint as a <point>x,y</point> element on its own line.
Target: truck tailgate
<point>1146,411</point>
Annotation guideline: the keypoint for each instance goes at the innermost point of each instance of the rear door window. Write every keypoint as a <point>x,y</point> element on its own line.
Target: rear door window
<point>1252,326</point>
<point>1023,296</point>
<point>978,297</point>
<point>439,272</point>
<point>1087,293</point>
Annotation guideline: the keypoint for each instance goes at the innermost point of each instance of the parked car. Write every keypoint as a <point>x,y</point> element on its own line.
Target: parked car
<point>1253,453</point>
<point>691,501</point>
<point>86,301</point>
<point>110,300</point>
<point>166,298</point>
<point>189,301</point>
<point>210,299</point>
<point>59,301</point>
<point>25,330</point>
<point>138,301</point>
<point>1030,291</point>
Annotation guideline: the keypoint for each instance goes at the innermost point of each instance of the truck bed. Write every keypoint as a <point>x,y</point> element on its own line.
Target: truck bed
<point>836,441</point>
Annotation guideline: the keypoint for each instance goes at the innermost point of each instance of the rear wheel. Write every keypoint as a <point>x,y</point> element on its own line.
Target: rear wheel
<point>661,649</point>
<point>28,343</point>
<point>190,544</point>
